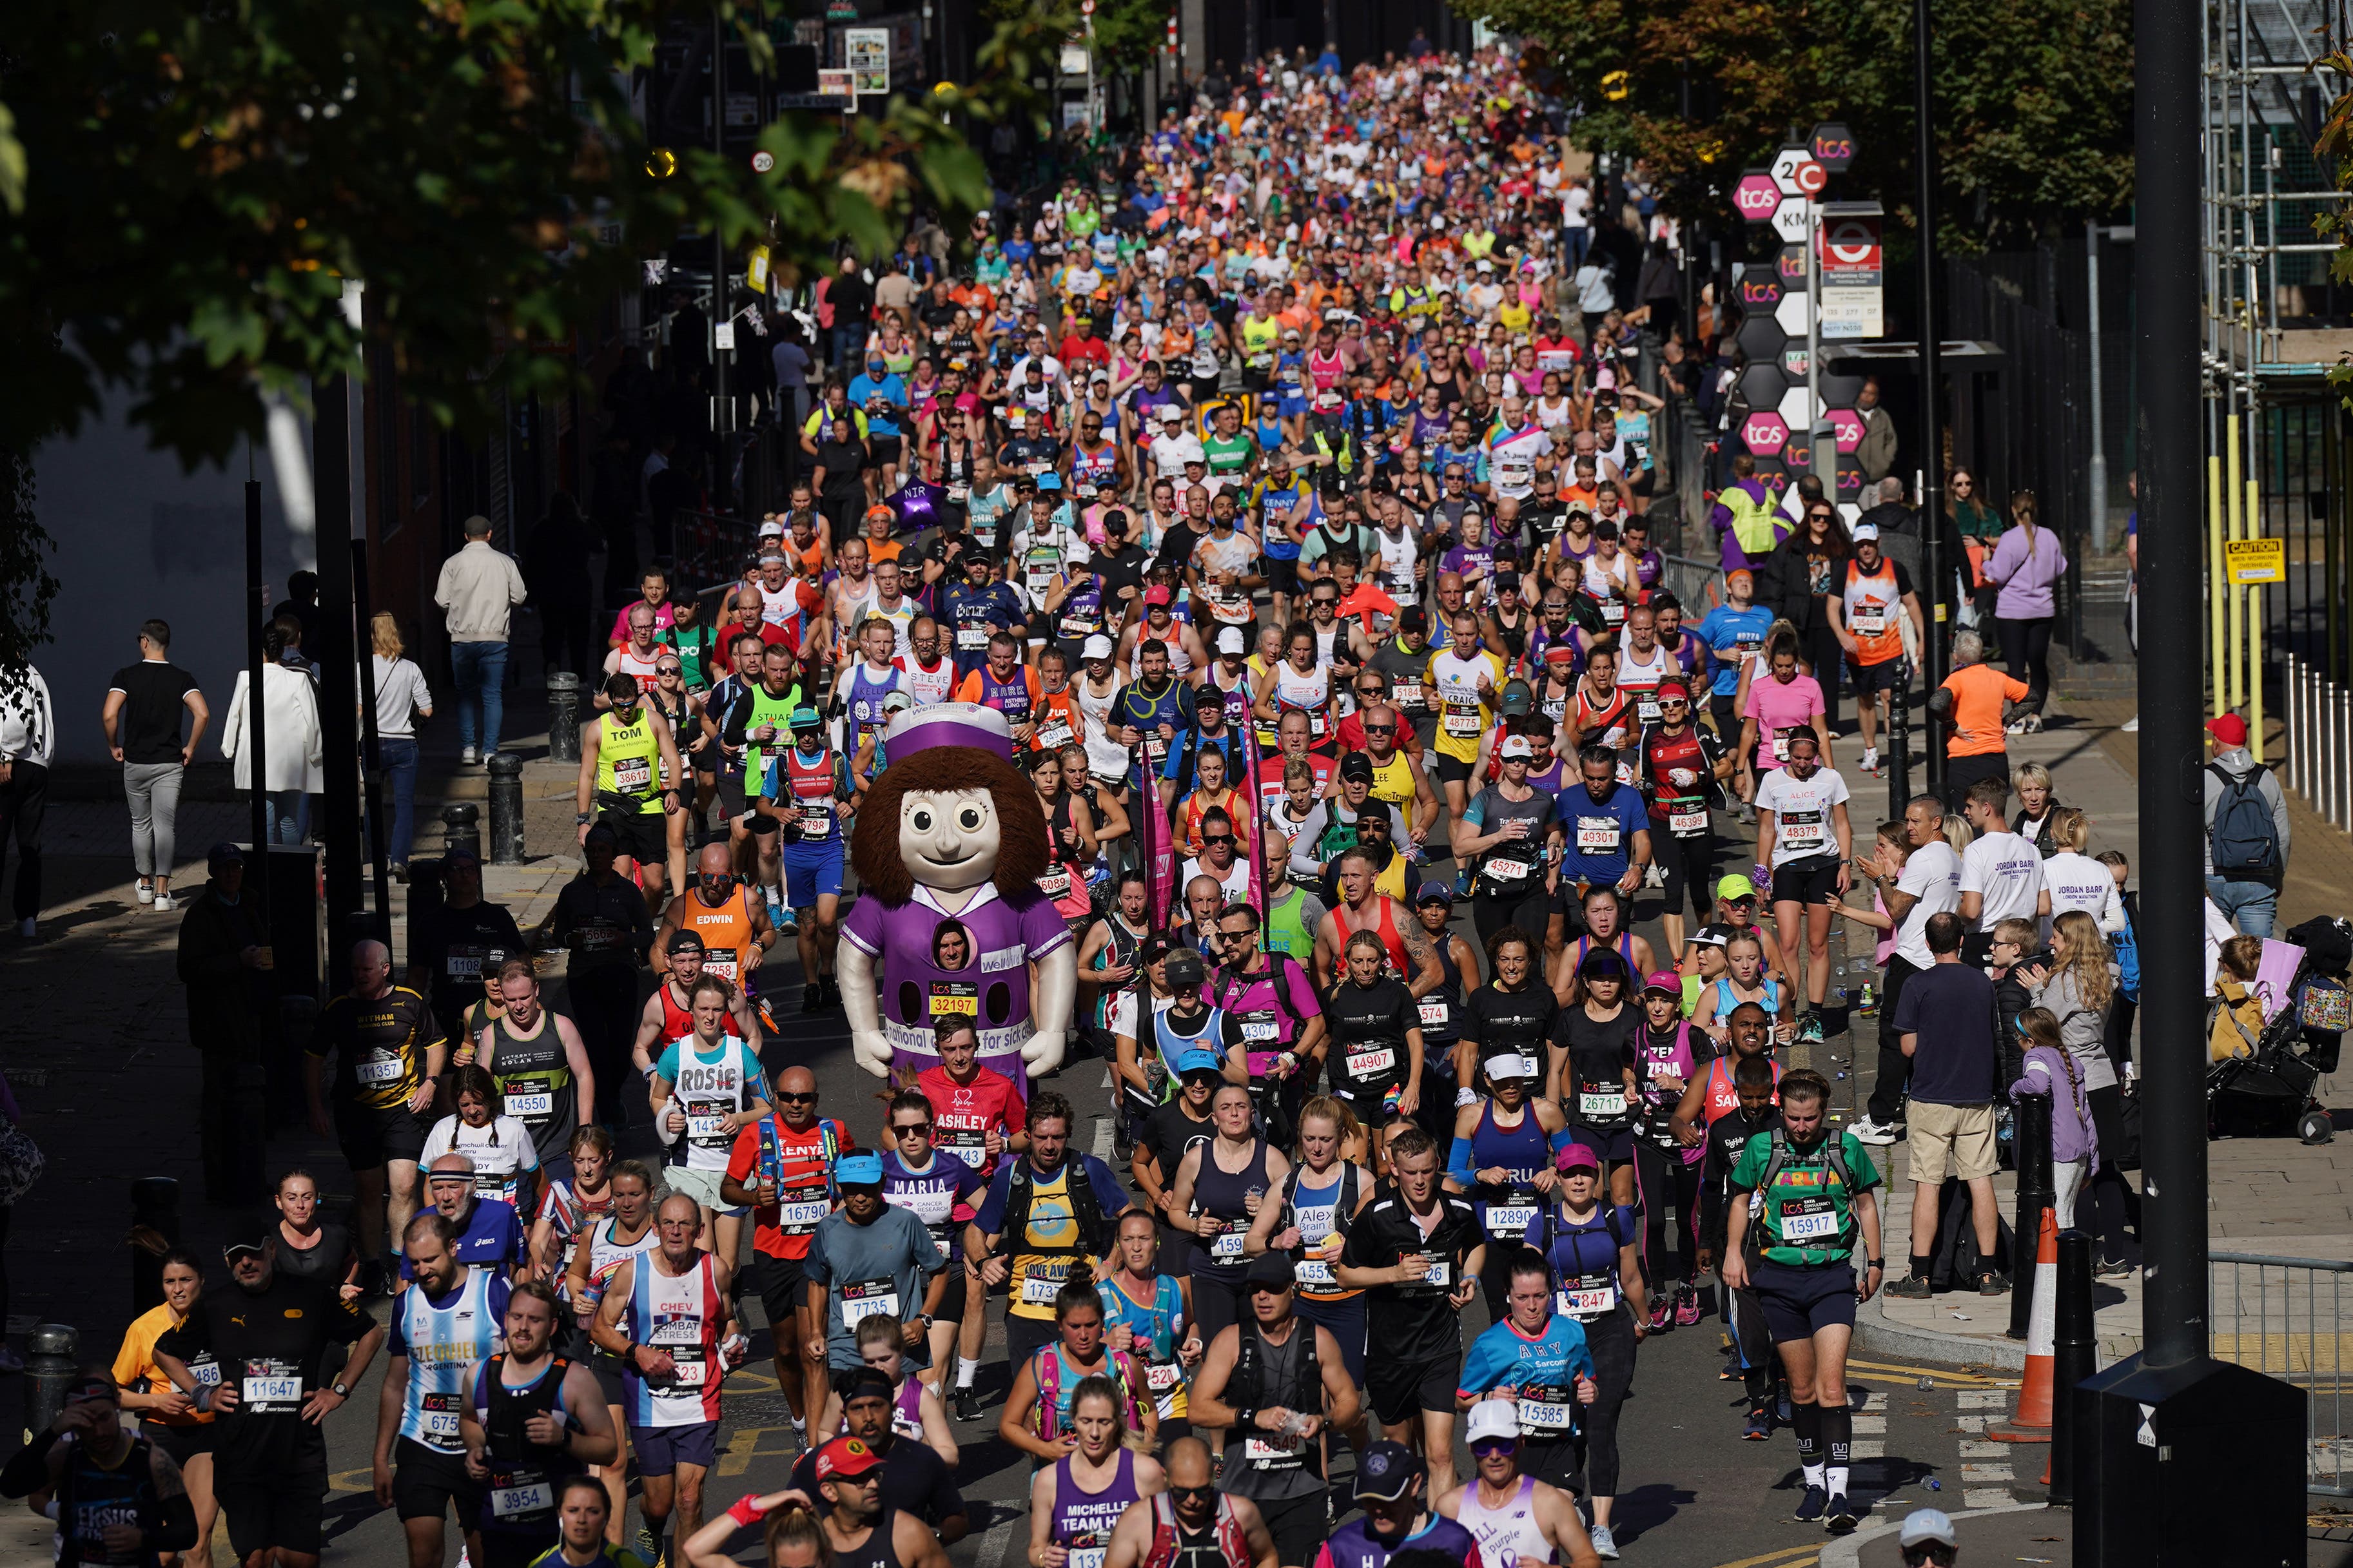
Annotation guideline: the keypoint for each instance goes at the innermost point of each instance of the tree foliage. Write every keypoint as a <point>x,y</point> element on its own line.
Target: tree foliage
<point>196,181</point>
<point>2032,100</point>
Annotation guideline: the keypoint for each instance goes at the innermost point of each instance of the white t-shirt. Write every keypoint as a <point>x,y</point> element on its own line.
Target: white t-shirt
<point>498,1151</point>
<point>2007,872</point>
<point>1932,876</point>
<point>2079,882</point>
<point>1801,813</point>
<point>1234,881</point>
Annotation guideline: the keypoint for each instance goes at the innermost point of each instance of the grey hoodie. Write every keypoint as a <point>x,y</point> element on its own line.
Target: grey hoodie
<point>2238,762</point>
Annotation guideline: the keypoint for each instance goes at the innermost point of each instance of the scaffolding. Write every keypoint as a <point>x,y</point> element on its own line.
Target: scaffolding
<point>2274,324</point>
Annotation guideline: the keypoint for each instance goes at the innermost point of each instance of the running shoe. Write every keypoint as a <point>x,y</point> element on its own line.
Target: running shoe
<point>966,1405</point>
<point>1870,763</point>
<point>1758,1427</point>
<point>1910,1287</point>
<point>2111,1267</point>
<point>1813,1505</point>
<point>1686,1305</point>
<point>1782,1411</point>
<point>813,996</point>
<point>1842,1515</point>
<point>165,903</point>
<point>1662,1313</point>
<point>2132,725</point>
<point>1868,1132</point>
<point>649,1543</point>
<point>1811,1032</point>
<point>145,892</point>
<point>1605,1545</point>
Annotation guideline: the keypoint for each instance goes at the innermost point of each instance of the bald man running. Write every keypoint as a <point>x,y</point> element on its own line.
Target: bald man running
<point>783,1166</point>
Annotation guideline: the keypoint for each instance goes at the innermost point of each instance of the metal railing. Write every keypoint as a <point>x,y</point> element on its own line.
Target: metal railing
<point>1696,585</point>
<point>2320,742</point>
<point>2284,1317</point>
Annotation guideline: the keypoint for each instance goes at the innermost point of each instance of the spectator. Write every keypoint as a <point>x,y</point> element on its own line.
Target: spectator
<point>2077,988</point>
<point>224,962</point>
<point>2002,873</point>
<point>2074,1138</point>
<point>1946,1020</point>
<point>142,721</point>
<point>478,590</point>
<point>289,713</point>
<point>1978,526</point>
<point>1875,455</point>
<point>401,694</point>
<point>2238,1010</point>
<point>2247,830</point>
<point>28,738</point>
<point>2027,565</point>
<point>1926,883</point>
<point>1968,705</point>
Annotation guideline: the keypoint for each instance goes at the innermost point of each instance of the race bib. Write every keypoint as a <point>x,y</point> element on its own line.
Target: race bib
<point>1055,733</point>
<point>1462,722</point>
<point>1315,1272</point>
<point>539,1103</point>
<point>721,964</point>
<point>1056,882</point>
<point>1647,708</point>
<point>1549,1412</point>
<point>706,1120</point>
<point>1508,871</point>
<point>1781,748</point>
<point>633,775</point>
<point>802,1216</point>
<point>463,963</point>
<point>871,1299</point>
<point>1265,1448</point>
<point>438,1419</point>
<point>1585,1300</point>
<point>1510,1219</point>
<point>1228,1246</point>
<point>1408,694</point>
<point>1036,1291</point>
<point>1259,1026</point>
<point>1162,1376</point>
<point>1606,1103</point>
<point>276,1394</point>
<point>975,638</point>
<point>1801,830</point>
<point>817,821</point>
<point>1809,1219</point>
<point>1870,621</point>
<point>1364,1064</point>
<point>1687,823</point>
<point>381,1069</point>
<point>1432,1010</point>
<point>1439,1273</point>
<point>513,1502</point>
<point>955,999</point>
<point>1613,612</point>
<point>1598,835</point>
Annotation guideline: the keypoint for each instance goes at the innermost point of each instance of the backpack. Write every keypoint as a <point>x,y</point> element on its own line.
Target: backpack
<point>2244,834</point>
<point>2125,945</point>
<point>1046,1365</point>
<point>1833,1150</point>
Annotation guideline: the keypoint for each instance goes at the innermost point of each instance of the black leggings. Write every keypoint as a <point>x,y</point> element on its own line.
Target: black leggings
<point>1820,646</point>
<point>1690,866</point>
<point>1530,911</point>
<point>2121,1012</point>
<point>1217,1302</point>
<point>2026,649</point>
<point>2114,1203</point>
<point>1611,1341</point>
<point>1661,1180</point>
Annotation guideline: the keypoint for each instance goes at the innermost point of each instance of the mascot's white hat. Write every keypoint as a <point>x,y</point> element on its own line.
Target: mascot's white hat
<point>949,724</point>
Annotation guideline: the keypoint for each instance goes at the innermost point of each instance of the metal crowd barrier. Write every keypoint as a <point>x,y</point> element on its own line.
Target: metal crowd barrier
<point>2320,742</point>
<point>709,547</point>
<point>2284,1317</point>
<point>1696,585</point>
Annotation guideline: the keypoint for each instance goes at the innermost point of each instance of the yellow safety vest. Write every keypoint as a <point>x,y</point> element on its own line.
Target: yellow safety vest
<point>1752,520</point>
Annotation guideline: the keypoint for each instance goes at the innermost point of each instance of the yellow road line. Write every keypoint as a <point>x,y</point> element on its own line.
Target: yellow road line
<point>1939,1373</point>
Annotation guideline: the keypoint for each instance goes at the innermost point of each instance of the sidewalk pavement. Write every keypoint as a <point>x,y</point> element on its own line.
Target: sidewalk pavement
<point>2266,1196</point>
<point>2026,1533</point>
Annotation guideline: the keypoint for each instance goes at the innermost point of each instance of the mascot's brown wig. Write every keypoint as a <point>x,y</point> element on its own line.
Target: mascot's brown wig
<point>1024,844</point>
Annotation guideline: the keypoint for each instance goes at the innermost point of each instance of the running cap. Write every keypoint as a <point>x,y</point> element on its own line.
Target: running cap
<point>1357,765</point>
<point>897,703</point>
<point>772,528</point>
<point>1098,646</point>
<point>1516,698</point>
<point>859,1170</point>
<point>807,719</point>
<point>1014,417</point>
<point>1198,1059</point>
<point>684,942</point>
<point>1926,1524</point>
<point>2228,727</point>
<point>1434,893</point>
<point>250,1232</point>
<point>1492,1419</point>
<point>1735,887</point>
<point>1274,1270</point>
<point>868,1382</point>
<point>1511,1066</point>
<point>1666,982</point>
<point>845,1456</point>
<point>1185,968</point>
<point>1158,593</point>
<point>1171,413</point>
<point>1712,935</point>
<point>1230,641</point>
<point>1863,530</point>
<point>1386,1471</point>
<point>1516,746</point>
<point>1577,1157</point>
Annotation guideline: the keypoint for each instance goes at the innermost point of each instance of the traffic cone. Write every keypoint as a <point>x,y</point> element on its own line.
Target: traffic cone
<point>2030,1422</point>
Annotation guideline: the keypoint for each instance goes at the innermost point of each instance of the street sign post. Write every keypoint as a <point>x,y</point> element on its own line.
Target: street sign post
<point>1796,174</point>
<point>1789,220</point>
<point>1852,257</point>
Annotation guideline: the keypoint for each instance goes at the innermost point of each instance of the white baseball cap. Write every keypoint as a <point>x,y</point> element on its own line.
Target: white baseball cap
<point>1928,1524</point>
<point>772,528</point>
<point>1517,746</point>
<point>1495,1418</point>
<point>1097,646</point>
<point>1510,1067</point>
<point>1171,411</point>
<point>1863,530</point>
<point>1230,640</point>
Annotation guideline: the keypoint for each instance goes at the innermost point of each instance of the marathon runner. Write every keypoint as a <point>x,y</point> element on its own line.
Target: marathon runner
<point>1534,1360</point>
<point>1191,1523</point>
<point>116,1496</point>
<point>1514,1516</point>
<point>531,1420</point>
<point>974,1115</point>
<point>388,1054</point>
<point>1220,1187</point>
<point>450,1319</point>
<point>540,1067</point>
<point>870,1258</point>
<point>1502,1155</point>
<point>625,756</point>
<point>1039,1410</point>
<point>667,1015</point>
<point>267,1337</point>
<point>852,1527</point>
<point>1683,769</point>
<point>1150,1316</point>
<point>1392,1488</point>
<point>1751,1087</point>
<point>732,932</point>
<point>1377,1051</point>
<point>940,1190</point>
<point>1810,1192</point>
<point>782,1165</point>
<point>901,1419</point>
<point>1077,1501</point>
<point>1049,1216</point>
<point>604,1246</point>
<point>1591,1249</point>
<point>168,1418</point>
<point>706,1090</point>
<point>1804,838</point>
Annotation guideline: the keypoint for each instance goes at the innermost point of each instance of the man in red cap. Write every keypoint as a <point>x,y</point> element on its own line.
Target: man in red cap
<point>2247,830</point>
<point>849,1491</point>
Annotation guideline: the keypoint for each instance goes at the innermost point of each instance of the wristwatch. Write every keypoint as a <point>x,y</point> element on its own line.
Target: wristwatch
<point>583,818</point>
<point>339,1390</point>
<point>925,1318</point>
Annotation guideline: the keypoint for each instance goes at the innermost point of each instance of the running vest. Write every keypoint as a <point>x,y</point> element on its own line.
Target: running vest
<point>930,686</point>
<point>1681,806</point>
<point>813,787</point>
<point>681,1315</point>
<point>607,1252</point>
<point>1642,682</point>
<point>535,1077</point>
<point>91,1495</point>
<point>866,695</point>
<point>1719,1099</point>
<point>1257,1380</point>
<point>442,1339</point>
<point>628,759</point>
<point>1871,607</point>
<point>1392,782</point>
<point>1322,1213</point>
<point>1287,931</point>
<point>726,933</point>
<point>526,1478</point>
<point>1173,1546</point>
<point>1508,1532</point>
<point>708,1092</point>
<point>767,709</point>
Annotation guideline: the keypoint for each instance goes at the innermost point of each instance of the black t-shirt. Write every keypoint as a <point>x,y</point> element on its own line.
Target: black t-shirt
<point>1168,1133</point>
<point>1507,1023</point>
<point>1598,1051</point>
<point>914,1481</point>
<point>1414,1322</point>
<point>1366,1021</point>
<point>1118,569</point>
<point>456,945</point>
<point>843,462</point>
<point>1951,1007</point>
<point>154,698</point>
<point>273,1343</point>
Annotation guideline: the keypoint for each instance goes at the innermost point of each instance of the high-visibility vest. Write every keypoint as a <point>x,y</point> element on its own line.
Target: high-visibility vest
<point>1752,520</point>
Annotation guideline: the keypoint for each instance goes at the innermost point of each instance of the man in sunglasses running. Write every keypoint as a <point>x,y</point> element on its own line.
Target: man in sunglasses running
<point>1192,1524</point>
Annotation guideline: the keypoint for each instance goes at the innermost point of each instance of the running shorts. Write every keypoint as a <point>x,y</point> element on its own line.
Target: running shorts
<point>1400,1388</point>
<point>812,871</point>
<point>1798,1302</point>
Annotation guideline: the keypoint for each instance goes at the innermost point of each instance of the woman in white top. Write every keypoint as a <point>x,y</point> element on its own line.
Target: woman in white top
<point>506,1161</point>
<point>290,709</point>
<point>401,696</point>
<point>2075,881</point>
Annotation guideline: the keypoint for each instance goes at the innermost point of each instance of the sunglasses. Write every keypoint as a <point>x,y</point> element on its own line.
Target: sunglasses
<point>668,670</point>
<point>1193,1494</point>
<point>909,1129</point>
<point>1487,1446</point>
<point>1217,838</point>
<point>797,1099</point>
<point>1380,729</point>
<point>1930,1551</point>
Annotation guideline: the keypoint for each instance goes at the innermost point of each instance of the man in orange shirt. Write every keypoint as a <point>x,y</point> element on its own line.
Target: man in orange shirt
<point>1969,707</point>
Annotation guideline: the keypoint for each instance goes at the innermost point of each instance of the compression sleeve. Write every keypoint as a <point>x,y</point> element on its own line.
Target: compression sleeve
<point>1458,1162</point>
<point>1559,1140</point>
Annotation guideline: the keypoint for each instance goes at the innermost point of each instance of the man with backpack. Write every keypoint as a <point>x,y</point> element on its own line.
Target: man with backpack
<point>2247,830</point>
<point>1050,1217</point>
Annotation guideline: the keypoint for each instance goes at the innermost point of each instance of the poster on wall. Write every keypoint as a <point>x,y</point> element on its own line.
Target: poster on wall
<point>868,54</point>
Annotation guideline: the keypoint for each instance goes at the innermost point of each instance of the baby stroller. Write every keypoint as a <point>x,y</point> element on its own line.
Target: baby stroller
<point>2269,1091</point>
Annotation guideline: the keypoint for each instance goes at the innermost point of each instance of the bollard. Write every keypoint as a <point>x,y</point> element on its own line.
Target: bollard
<point>154,1230</point>
<point>2033,1141</point>
<point>1898,759</point>
<point>2074,1357</point>
<point>53,1355</point>
<point>461,823</point>
<point>563,717</point>
<point>506,809</point>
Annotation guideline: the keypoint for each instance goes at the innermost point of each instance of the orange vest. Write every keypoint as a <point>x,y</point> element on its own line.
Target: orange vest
<point>726,933</point>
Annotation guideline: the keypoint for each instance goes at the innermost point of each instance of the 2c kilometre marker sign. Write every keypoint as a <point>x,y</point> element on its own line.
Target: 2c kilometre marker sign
<point>1755,196</point>
<point>1795,172</point>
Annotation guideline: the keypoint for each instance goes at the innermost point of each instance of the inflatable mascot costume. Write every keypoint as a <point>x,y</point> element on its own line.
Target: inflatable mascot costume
<point>948,847</point>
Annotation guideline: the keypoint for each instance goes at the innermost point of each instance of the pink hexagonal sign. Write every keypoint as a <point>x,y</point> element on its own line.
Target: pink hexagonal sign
<point>1846,425</point>
<point>1764,431</point>
<point>1757,195</point>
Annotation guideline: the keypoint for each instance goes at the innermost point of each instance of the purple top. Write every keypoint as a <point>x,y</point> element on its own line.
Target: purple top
<point>2073,1137</point>
<point>993,990</point>
<point>2026,576</point>
<point>1466,561</point>
<point>1084,1518</point>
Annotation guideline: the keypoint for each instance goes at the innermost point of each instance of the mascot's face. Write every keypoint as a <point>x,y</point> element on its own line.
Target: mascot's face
<point>949,838</point>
